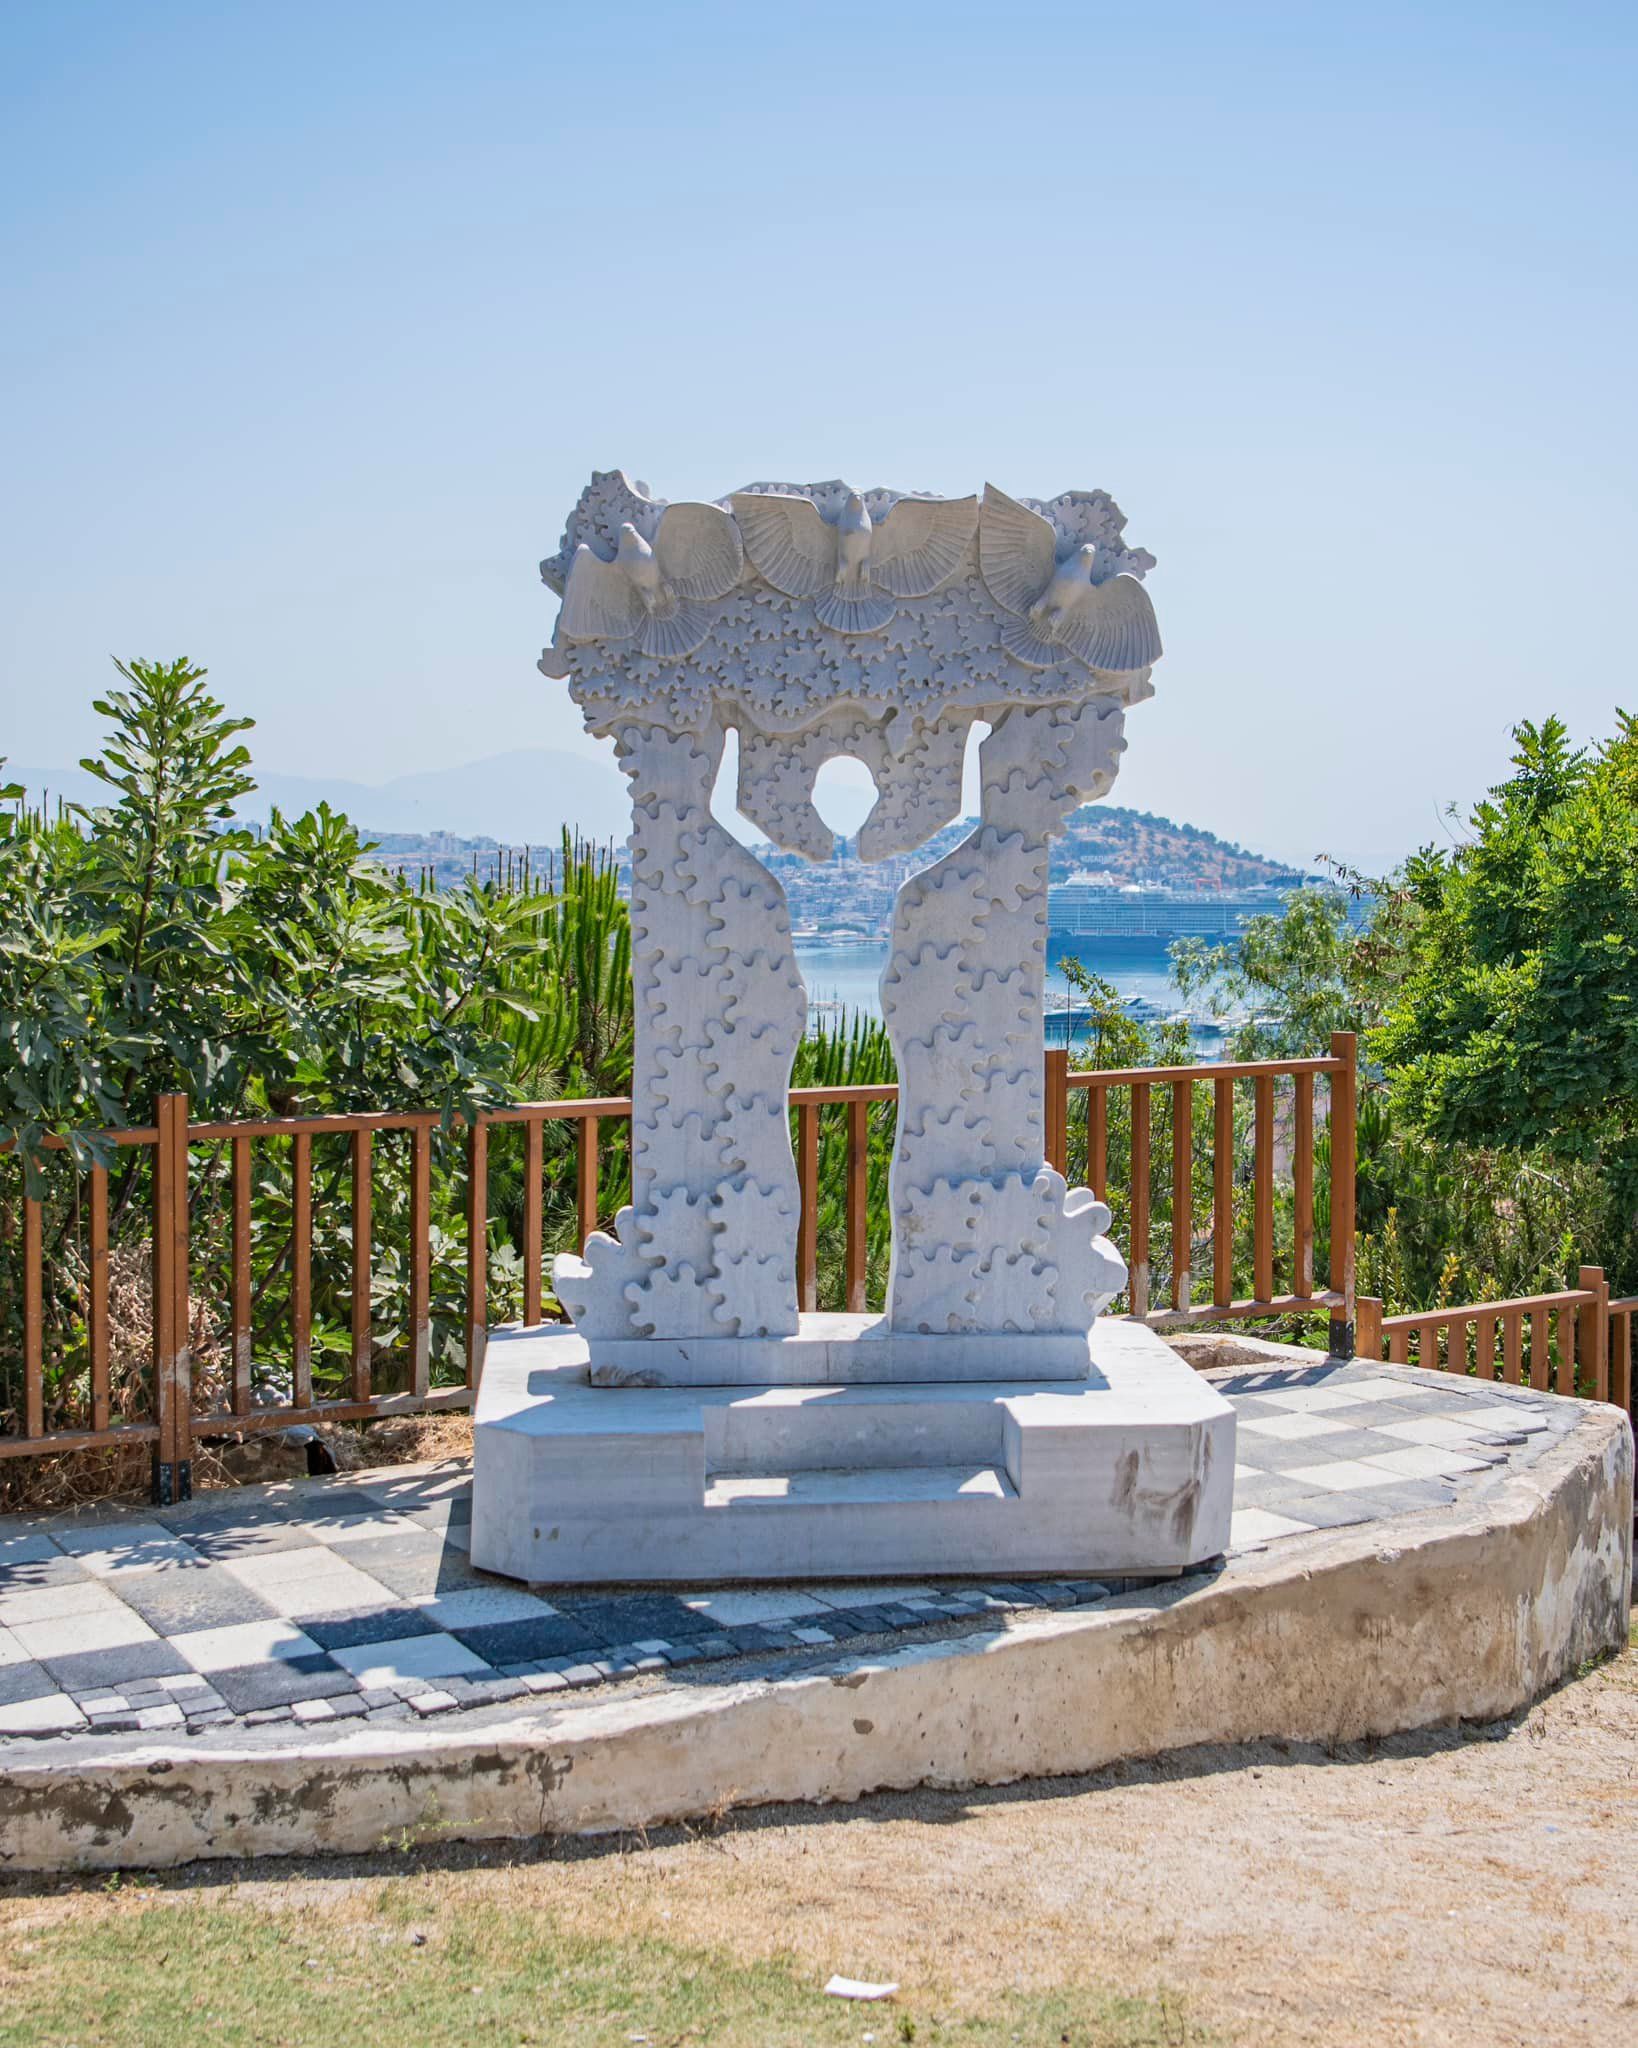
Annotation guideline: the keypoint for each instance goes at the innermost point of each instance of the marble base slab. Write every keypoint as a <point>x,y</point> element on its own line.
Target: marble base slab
<point>1129,1470</point>
<point>834,1351</point>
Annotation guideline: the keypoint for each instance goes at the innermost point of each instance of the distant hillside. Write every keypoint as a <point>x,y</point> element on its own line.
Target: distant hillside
<point>1138,846</point>
<point>1101,839</point>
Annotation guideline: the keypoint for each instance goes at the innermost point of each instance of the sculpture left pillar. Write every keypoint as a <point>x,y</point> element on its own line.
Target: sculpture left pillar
<point>704,1250</point>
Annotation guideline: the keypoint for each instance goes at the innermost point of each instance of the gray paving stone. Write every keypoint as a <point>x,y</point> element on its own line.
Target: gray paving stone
<point>239,1508</point>
<point>261,1716</point>
<point>1327,1510</point>
<point>536,1639</point>
<point>490,1692</point>
<point>417,1570</point>
<point>33,1547</point>
<point>20,1682</point>
<point>177,1602</point>
<point>1279,1454</point>
<point>352,1630</point>
<point>82,1670</point>
<point>250,1539</point>
<point>630,1618</point>
<point>1402,1496</point>
<point>281,1682</point>
<point>682,1653</point>
<point>25,1573</point>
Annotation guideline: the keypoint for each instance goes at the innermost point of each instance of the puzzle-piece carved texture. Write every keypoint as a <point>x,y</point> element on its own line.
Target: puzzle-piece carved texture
<point>962,996</point>
<point>719,1013</point>
<point>985,1236</point>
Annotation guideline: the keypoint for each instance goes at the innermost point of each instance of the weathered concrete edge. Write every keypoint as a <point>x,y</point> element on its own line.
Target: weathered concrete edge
<point>1465,1612</point>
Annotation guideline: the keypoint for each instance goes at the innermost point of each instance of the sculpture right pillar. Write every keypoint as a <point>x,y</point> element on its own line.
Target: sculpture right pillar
<point>986,1236</point>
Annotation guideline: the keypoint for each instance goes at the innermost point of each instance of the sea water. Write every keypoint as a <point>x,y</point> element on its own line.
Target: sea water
<point>846,978</point>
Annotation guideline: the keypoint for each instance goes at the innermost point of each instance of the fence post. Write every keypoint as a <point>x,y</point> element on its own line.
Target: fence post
<point>1592,1337</point>
<point>1057,1107</point>
<point>1344,1101</point>
<point>173,1361</point>
<point>477,1246</point>
<point>1368,1313</point>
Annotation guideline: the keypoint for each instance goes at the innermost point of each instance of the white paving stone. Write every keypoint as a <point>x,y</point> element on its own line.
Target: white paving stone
<point>52,1603</point>
<point>864,1592</point>
<point>1290,1428</point>
<point>42,1716</point>
<point>1337,1475</point>
<point>340,1530</point>
<point>476,1605</point>
<point>319,1583</point>
<point>1311,1400</point>
<point>1454,1435</point>
<point>114,1547</point>
<point>243,1642</point>
<point>1257,1525</point>
<point>1426,1461</point>
<point>11,1650</point>
<point>1516,1418</point>
<point>394,1663</point>
<point>71,1633</point>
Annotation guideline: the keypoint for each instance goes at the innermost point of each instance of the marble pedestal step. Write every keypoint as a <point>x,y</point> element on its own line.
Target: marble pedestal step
<point>833,1350</point>
<point>1130,1470</point>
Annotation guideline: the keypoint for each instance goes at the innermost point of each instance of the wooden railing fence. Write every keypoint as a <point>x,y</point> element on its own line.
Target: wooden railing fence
<point>1222,1215</point>
<point>1575,1341</point>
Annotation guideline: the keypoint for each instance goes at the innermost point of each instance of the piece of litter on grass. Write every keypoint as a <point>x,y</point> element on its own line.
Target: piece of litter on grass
<point>855,1987</point>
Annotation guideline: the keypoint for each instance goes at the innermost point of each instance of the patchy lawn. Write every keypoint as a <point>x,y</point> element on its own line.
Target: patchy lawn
<point>423,1965</point>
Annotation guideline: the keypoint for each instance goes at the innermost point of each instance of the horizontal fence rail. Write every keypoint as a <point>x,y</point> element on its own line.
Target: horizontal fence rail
<point>222,1277</point>
<point>1574,1341</point>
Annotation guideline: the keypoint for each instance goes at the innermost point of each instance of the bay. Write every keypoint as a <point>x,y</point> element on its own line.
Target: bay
<point>845,978</point>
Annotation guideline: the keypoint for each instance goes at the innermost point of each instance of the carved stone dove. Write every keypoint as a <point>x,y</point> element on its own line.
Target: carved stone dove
<point>662,594</point>
<point>1059,607</point>
<point>855,568</point>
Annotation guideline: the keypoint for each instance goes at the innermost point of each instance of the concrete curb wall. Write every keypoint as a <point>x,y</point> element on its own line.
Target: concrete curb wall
<point>1465,1612</point>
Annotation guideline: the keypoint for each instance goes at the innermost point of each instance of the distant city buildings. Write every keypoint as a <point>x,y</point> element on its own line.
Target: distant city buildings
<point>1122,881</point>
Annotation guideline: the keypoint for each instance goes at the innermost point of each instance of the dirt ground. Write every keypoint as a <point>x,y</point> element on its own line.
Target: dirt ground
<point>1474,1886</point>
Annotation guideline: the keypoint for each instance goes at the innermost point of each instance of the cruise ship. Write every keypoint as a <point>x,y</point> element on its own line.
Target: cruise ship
<point>1129,918</point>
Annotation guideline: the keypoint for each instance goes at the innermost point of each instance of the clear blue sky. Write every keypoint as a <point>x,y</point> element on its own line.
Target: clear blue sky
<point>317,318</point>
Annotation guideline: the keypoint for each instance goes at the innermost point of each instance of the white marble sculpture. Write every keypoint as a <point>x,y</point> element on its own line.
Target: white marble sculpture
<point>818,620</point>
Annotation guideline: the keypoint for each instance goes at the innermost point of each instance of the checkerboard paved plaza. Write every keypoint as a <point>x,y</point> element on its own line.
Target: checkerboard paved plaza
<point>355,1597</point>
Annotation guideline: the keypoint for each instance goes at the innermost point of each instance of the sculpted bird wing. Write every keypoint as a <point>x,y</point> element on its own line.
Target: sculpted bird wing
<point>787,541</point>
<point>920,544</point>
<point>598,600</point>
<point>1017,551</point>
<point>698,550</point>
<point>1113,627</point>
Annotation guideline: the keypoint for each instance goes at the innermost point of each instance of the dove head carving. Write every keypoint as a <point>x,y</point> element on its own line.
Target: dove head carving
<point>634,555</point>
